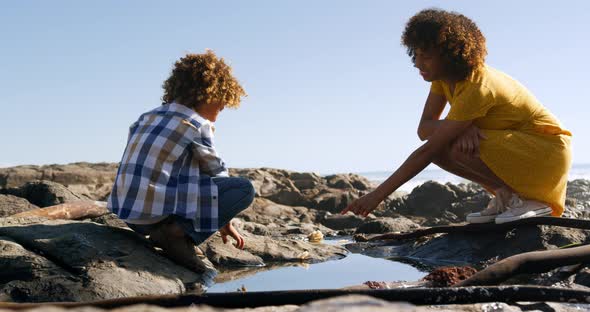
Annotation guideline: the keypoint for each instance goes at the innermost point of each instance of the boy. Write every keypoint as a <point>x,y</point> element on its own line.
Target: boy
<point>171,183</point>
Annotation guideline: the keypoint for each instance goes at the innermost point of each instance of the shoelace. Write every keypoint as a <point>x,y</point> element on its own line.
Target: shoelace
<point>494,206</point>
<point>515,201</point>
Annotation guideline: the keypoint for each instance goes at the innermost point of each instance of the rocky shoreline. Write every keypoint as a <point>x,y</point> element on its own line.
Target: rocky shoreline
<point>100,258</point>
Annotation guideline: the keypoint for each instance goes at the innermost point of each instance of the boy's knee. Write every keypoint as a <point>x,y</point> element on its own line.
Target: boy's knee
<point>244,186</point>
<point>249,190</point>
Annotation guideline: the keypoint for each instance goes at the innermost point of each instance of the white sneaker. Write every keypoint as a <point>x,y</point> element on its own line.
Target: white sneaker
<point>489,214</point>
<point>521,209</point>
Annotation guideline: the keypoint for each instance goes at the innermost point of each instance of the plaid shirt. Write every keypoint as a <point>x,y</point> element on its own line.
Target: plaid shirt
<point>167,168</point>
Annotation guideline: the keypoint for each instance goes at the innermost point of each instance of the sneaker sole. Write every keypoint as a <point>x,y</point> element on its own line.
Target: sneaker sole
<point>481,219</point>
<point>534,213</point>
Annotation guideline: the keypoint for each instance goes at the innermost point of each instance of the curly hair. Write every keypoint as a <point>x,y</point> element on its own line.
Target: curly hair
<point>460,42</point>
<point>199,79</point>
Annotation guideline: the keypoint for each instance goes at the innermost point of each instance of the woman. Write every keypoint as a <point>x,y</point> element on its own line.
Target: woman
<point>496,133</point>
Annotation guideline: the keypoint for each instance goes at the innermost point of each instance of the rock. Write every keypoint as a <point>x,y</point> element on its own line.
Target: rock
<point>273,184</point>
<point>14,177</point>
<point>93,181</point>
<point>583,277</point>
<point>359,182</point>
<point>20,264</point>
<point>466,190</point>
<point>333,201</point>
<point>356,303</point>
<point>45,193</point>
<point>579,190</point>
<point>430,199</point>
<point>265,217</point>
<point>110,219</point>
<point>276,217</point>
<point>270,250</point>
<point>387,225</point>
<point>305,180</point>
<point>348,181</point>
<point>27,276</point>
<point>227,255</point>
<point>556,237</point>
<point>340,222</point>
<point>393,205</point>
<point>467,205</point>
<point>10,205</point>
<point>578,199</point>
<point>446,218</point>
<point>258,229</point>
<point>94,256</point>
<point>339,182</point>
<point>304,189</point>
<point>482,247</point>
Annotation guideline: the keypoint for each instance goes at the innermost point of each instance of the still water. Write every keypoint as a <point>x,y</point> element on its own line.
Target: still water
<point>355,269</point>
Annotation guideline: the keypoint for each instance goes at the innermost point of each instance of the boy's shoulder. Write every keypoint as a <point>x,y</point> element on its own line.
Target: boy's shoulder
<point>179,113</point>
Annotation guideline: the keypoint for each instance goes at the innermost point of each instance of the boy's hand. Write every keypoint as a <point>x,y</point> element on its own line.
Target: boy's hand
<point>468,142</point>
<point>229,229</point>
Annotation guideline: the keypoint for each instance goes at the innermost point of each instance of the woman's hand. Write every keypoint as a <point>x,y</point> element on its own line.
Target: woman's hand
<point>229,229</point>
<point>363,205</point>
<point>468,141</point>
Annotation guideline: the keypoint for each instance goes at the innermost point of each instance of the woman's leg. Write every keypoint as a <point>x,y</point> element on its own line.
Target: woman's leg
<point>473,169</point>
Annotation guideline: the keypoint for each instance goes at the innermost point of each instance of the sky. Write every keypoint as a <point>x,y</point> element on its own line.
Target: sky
<point>330,87</point>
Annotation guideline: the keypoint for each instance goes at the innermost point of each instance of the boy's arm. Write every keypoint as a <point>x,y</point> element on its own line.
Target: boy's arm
<point>209,161</point>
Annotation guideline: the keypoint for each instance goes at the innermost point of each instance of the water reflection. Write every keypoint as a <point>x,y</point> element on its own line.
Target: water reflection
<point>352,270</point>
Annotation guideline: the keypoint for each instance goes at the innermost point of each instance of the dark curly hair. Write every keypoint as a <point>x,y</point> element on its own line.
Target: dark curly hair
<point>198,79</point>
<point>461,44</point>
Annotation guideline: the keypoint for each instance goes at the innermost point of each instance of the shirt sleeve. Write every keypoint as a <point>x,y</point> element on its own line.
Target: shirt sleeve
<point>472,101</point>
<point>437,87</point>
<point>210,163</point>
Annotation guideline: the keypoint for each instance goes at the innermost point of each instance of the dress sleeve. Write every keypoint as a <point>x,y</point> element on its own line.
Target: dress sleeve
<point>436,87</point>
<point>472,101</point>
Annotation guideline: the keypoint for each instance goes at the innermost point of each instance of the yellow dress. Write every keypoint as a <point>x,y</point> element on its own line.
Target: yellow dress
<point>526,146</point>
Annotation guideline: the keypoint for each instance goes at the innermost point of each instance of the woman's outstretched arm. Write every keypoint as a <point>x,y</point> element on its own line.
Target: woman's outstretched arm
<point>446,132</point>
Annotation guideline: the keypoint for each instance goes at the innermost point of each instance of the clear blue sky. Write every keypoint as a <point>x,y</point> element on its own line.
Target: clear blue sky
<point>330,87</point>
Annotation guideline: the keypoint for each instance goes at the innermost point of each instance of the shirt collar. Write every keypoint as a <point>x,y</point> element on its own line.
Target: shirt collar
<point>179,108</point>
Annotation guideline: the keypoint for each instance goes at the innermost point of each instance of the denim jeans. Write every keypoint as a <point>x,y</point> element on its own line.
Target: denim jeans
<point>234,195</point>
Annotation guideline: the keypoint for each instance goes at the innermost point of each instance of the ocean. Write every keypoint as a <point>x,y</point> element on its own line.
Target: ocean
<point>578,171</point>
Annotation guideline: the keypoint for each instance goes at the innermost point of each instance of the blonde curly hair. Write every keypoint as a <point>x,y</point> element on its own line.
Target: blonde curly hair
<point>200,79</point>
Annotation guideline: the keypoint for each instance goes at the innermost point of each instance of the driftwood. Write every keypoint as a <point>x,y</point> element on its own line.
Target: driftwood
<point>70,211</point>
<point>528,262</point>
<point>485,227</point>
<point>419,296</point>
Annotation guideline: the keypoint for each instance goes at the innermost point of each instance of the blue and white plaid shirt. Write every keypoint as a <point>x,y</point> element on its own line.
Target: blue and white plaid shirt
<point>167,168</point>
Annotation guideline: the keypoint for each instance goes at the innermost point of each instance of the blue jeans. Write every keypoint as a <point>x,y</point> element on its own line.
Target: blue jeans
<point>234,196</point>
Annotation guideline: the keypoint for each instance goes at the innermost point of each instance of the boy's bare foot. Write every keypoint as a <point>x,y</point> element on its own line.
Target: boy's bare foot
<point>181,249</point>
